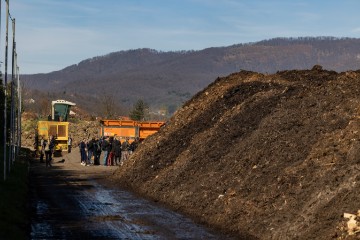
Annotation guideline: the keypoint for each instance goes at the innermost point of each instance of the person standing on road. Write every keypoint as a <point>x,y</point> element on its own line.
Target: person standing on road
<point>49,146</point>
<point>117,149</point>
<point>97,152</point>
<point>104,147</point>
<point>69,144</point>
<point>110,151</point>
<point>133,146</point>
<point>82,147</point>
<point>125,150</point>
<point>36,143</point>
<point>52,146</point>
<point>42,149</point>
<point>90,147</point>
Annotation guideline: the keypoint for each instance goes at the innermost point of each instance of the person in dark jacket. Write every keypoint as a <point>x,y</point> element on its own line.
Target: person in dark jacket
<point>97,152</point>
<point>133,145</point>
<point>49,148</point>
<point>83,156</point>
<point>117,149</point>
<point>105,148</point>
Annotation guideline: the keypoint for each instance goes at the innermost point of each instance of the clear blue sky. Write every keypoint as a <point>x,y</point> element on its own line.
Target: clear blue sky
<point>53,34</point>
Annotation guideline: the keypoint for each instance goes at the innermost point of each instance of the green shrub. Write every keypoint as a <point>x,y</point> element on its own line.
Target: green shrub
<point>13,205</point>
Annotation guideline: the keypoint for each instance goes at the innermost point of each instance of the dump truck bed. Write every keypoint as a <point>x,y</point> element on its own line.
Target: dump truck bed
<point>129,129</point>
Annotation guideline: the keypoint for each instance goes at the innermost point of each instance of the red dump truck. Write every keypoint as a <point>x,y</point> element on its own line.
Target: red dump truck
<point>129,129</point>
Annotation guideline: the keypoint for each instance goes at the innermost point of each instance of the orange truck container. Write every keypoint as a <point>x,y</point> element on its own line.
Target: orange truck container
<point>129,129</point>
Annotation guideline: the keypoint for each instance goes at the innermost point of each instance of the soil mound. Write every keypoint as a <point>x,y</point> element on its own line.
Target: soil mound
<point>263,156</point>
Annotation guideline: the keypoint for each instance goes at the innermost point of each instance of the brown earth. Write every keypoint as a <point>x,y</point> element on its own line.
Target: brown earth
<point>262,156</point>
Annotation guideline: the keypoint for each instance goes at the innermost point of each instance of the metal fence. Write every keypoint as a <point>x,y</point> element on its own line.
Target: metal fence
<point>11,99</point>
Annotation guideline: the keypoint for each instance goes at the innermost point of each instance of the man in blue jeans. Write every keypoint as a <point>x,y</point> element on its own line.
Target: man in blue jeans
<point>105,147</point>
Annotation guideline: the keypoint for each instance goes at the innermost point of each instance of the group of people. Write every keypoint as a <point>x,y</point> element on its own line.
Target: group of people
<point>114,151</point>
<point>47,149</point>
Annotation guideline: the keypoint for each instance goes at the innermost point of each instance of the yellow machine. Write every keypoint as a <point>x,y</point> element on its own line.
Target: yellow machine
<point>56,126</point>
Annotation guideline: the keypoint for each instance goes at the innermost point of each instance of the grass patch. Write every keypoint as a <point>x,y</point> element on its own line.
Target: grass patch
<point>14,216</point>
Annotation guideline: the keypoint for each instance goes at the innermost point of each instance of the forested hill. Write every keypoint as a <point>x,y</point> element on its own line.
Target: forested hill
<point>167,79</point>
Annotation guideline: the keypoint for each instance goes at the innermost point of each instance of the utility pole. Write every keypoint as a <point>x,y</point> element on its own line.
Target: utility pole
<point>12,111</point>
<point>19,110</point>
<point>4,113</point>
<point>5,85</point>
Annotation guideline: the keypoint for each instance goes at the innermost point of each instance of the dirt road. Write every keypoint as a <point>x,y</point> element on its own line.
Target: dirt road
<point>71,201</point>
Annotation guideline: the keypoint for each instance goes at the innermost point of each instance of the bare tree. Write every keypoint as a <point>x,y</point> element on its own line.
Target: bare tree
<point>108,105</point>
<point>25,93</point>
<point>44,107</point>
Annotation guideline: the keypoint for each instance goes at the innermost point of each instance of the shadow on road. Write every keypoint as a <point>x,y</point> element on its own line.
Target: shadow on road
<point>69,202</point>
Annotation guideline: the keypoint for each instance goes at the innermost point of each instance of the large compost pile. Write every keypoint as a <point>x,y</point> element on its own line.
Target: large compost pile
<point>261,156</point>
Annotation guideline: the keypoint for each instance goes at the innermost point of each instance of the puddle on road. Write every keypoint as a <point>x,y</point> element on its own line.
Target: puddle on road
<point>145,218</point>
<point>112,214</point>
<point>107,211</point>
<point>41,228</point>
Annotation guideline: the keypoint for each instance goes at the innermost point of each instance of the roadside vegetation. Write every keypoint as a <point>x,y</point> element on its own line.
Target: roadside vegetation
<point>14,217</point>
<point>14,210</point>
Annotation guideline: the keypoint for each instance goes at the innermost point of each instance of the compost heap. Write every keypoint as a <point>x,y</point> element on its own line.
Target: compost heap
<point>261,156</point>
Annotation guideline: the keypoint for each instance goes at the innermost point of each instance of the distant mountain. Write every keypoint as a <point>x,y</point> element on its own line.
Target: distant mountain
<point>167,79</point>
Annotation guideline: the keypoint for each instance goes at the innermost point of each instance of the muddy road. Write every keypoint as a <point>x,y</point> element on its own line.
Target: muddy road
<point>71,201</point>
